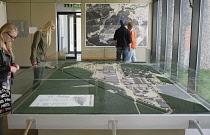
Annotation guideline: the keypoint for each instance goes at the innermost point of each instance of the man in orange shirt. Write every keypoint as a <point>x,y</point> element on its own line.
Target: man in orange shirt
<point>133,45</point>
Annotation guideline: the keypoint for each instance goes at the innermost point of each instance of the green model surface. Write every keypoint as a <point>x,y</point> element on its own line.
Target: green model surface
<point>108,99</point>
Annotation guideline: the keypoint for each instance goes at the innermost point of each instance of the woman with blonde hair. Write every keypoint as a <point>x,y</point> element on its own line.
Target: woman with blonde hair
<point>41,42</point>
<point>8,33</point>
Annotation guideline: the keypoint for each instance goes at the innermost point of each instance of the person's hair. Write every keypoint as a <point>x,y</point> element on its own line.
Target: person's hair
<point>130,24</point>
<point>47,28</point>
<point>123,25</point>
<point>7,28</point>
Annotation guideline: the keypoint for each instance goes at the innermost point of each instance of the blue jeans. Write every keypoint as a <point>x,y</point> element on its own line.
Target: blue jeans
<point>132,55</point>
<point>38,72</point>
<point>127,54</point>
<point>119,53</point>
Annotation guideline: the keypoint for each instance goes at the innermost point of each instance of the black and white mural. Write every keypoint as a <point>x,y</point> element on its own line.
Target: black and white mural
<point>103,19</point>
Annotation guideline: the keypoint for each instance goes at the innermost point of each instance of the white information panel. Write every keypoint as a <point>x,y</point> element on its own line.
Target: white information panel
<point>32,30</point>
<point>63,101</point>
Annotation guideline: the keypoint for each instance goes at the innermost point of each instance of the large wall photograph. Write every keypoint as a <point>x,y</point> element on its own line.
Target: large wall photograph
<point>103,19</point>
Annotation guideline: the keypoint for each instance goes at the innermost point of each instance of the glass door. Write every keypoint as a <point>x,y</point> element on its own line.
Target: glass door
<point>68,31</point>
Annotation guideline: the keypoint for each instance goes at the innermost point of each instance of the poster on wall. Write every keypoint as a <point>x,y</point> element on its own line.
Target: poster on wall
<point>22,27</point>
<point>103,19</point>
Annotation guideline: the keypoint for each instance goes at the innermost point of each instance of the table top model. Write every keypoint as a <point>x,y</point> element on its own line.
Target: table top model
<point>108,91</point>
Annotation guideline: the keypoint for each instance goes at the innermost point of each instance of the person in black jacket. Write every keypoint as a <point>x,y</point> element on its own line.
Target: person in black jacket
<point>122,41</point>
<point>8,33</point>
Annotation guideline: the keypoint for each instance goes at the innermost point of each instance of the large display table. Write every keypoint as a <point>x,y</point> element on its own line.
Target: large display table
<point>108,96</point>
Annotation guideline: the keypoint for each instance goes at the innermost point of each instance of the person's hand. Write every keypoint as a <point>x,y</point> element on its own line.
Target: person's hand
<point>115,43</point>
<point>17,66</point>
<point>13,69</point>
<point>129,49</point>
<point>34,64</point>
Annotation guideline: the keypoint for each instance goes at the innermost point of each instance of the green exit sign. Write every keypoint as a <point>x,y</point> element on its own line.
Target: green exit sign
<point>77,5</point>
<point>73,5</point>
<point>67,5</point>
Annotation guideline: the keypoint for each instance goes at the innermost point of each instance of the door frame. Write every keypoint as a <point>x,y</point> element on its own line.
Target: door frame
<point>75,33</point>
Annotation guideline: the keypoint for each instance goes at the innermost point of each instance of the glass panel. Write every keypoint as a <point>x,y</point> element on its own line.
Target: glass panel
<point>25,80</point>
<point>159,19</point>
<point>78,22</point>
<point>204,73</point>
<point>67,34</point>
<point>71,50</point>
<point>62,96</point>
<point>184,41</point>
<point>63,32</point>
<point>116,88</point>
<point>169,35</point>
